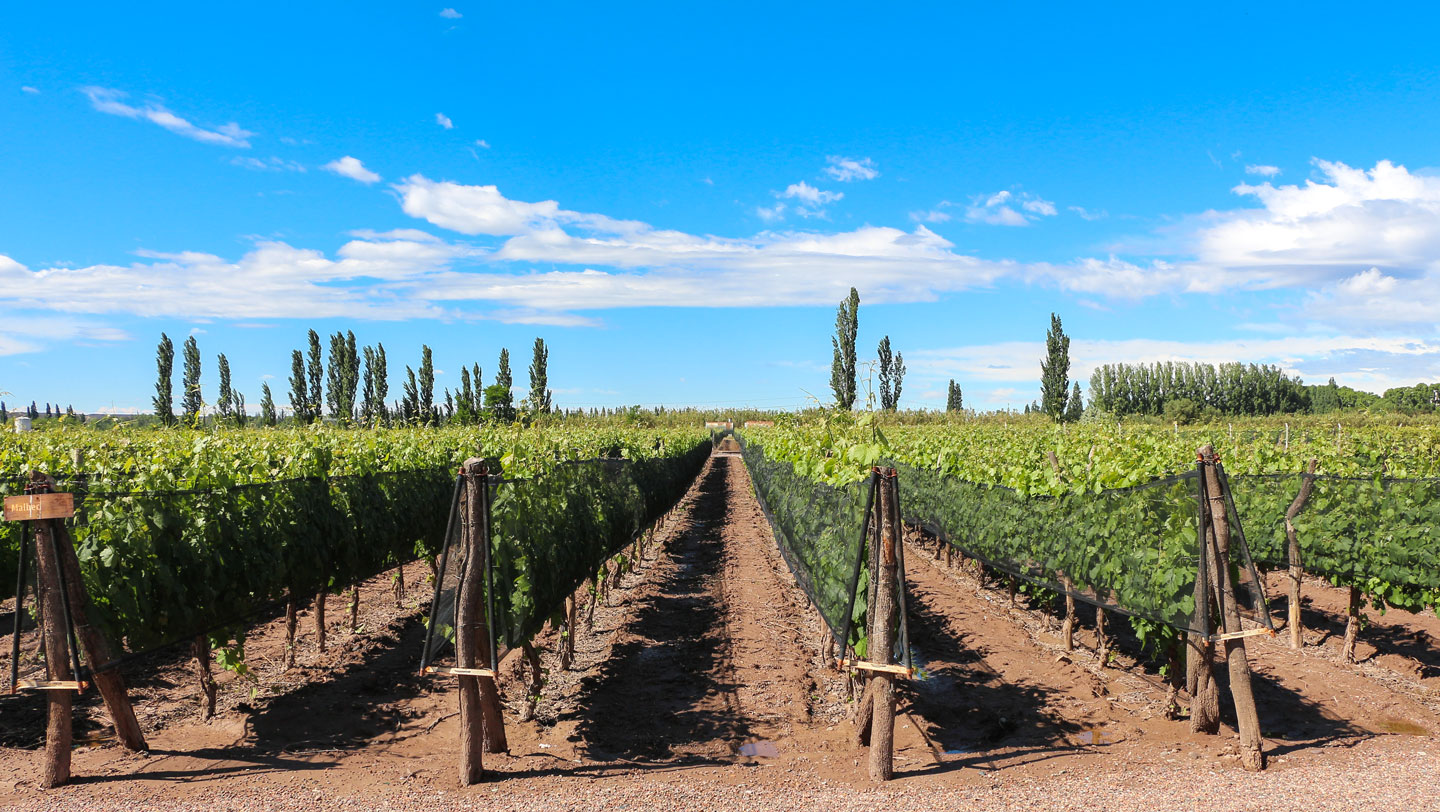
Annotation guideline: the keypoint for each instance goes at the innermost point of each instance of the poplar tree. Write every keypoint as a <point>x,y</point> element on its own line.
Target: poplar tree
<point>1074,408</point>
<point>539,400</point>
<point>464,397</point>
<point>191,401</point>
<point>1055,371</point>
<point>954,400</point>
<point>842,366</point>
<point>315,371</point>
<point>892,375</point>
<point>299,400</point>
<point>225,401</point>
<point>426,405</point>
<point>499,401</point>
<point>165,365</point>
<point>267,406</point>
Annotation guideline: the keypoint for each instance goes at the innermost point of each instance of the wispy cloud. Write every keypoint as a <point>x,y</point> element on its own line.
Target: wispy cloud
<point>29,89</point>
<point>1089,214</point>
<point>1262,169</point>
<point>273,164</point>
<point>108,100</point>
<point>351,168</point>
<point>450,14</point>
<point>444,121</point>
<point>999,209</point>
<point>846,170</point>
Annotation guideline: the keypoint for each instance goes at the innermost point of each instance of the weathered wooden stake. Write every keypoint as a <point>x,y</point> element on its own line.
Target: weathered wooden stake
<point>1297,570</point>
<point>58,728</point>
<point>1200,651</point>
<point>97,649</point>
<point>470,629</point>
<point>1102,640</point>
<point>476,501</point>
<point>882,636</point>
<point>354,608</point>
<point>1252,756</point>
<point>567,638</point>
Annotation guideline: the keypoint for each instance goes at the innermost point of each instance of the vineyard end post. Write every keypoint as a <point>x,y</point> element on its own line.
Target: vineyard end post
<point>882,634</point>
<point>1252,756</point>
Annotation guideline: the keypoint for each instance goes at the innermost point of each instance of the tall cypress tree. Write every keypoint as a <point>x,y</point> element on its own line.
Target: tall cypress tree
<point>954,399</point>
<point>299,399</point>
<point>191,401</point>
<point>464,397</point>
<point>426,405</point>
<point>315,372</point>
<point>478,403</point>
<point>410,399</point>
<point>370,402</point>
<point>352,376</point>
<point>165,367</point>
<point>897,371</point>
<point>267,406</point>
<point>1073,407</point>
<point>1055,371</point>
<point>886,358</point>
<point>842,365</point>
<point>539,399</point>
<point>225,401</point>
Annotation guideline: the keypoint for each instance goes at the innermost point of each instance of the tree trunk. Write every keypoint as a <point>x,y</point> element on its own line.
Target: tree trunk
<point>58,727</point>
<point>354,608</point>
<point>1352,627</point>
<point>1297,571</point>
<point>320,620</point>
<point>567,637</point>
<point>1252,756</point>
<point>532,691</point>
<point>201,649</point>
<point>97,649</point>
<point>1102,640</point>
<point>590,610</point>
<point>291,621</point>
<point>882,637</point>
<point>1067,629</point>
<point>400,587</point>
<point>865,714</point>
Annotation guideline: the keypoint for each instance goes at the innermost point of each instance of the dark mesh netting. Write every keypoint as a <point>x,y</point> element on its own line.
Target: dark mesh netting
<point>551,533</point>
<point>1382,535</point>
<point>820,531</point>
<point>1134,550</point>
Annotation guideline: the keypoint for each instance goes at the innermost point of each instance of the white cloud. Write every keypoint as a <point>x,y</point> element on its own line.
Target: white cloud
<point>108,100</point>
<point>450,14</point>
<point>1262,169</point>
<point>1089,214</point>
<point>773,214</point>
<point>444,121</point>
<point>935,215</point>
<point>812,201</point>
<point>482,143</point>
<point>351,168</point>
<point>24,334</point>
<point>998,209</point>
<point>846,170</point>
<point>274,164</point>
<point>29,89</point>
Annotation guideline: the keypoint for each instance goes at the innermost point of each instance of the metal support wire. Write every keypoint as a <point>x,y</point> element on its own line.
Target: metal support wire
<point>844,640</point>
<point>1262,604</point>
<point>444,560</point>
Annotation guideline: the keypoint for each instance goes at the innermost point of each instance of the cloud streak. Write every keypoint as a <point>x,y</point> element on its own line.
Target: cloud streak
<point>110,101</point>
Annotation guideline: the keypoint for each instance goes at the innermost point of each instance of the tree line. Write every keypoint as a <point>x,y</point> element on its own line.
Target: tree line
<point>350,384</point>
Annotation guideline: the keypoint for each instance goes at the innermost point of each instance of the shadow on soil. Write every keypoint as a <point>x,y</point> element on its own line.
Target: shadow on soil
<point>663,692</point>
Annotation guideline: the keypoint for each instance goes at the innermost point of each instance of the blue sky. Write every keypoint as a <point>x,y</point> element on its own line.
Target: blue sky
<point>676,198</point>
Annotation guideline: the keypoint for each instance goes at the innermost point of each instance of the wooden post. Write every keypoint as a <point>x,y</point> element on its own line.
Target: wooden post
<point>354,608</point>
<point>882,637</point>
<point>475,500</point>
<point>469,629</point>
<point>1252,757</point>
<point>97,649</point>
<point>58,730</point>
<point>1067,629</point>
<point>1102,640</point>
<point>1297,571</point>
<point>568,656</point>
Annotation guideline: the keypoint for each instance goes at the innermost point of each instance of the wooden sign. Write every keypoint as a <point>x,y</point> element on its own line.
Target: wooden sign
<point>39,506</point>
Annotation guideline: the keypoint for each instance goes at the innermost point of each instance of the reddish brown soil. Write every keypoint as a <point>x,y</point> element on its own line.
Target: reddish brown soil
<point>701,685</point>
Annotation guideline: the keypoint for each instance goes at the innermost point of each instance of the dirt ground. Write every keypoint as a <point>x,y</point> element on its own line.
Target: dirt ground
<point>700,683</point>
